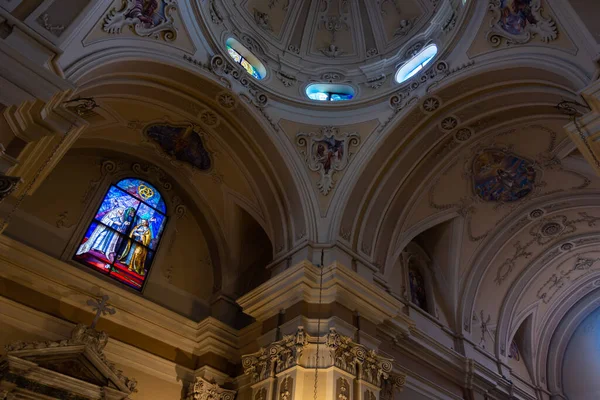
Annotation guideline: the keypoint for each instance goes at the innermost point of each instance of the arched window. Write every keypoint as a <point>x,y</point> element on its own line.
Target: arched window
<point>245,58</point>
<point>329,92</point>
<point>124,234</point>
<point>418,292</point>
<point>416,64</point>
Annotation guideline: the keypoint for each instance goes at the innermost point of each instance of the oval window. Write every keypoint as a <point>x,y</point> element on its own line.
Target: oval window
<point>416,64</point>
<point>329,92</point>
<point>245,58</point>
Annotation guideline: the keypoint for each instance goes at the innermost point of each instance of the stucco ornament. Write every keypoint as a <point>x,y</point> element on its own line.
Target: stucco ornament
<point>150,18</point>
<point>327,152</point>
<point>201,389</point>
<point>518,22</point>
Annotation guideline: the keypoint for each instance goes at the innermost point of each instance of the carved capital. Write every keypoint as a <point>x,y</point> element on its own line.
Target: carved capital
<point>276,357</point>
<point>201,389</point>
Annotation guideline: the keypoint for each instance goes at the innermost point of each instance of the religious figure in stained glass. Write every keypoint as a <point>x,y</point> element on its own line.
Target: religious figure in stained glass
<point>125,232</point>
<point>418,295</point>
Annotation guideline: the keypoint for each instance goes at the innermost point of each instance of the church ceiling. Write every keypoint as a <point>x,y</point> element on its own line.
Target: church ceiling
<point>472,145</point>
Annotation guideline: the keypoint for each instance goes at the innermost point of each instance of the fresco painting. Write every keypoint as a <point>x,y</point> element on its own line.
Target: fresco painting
<point>501,176</point>
<point>182,143</point>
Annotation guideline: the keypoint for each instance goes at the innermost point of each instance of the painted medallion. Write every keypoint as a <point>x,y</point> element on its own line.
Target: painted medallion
<point>500,176</point>
<point>516,15</point>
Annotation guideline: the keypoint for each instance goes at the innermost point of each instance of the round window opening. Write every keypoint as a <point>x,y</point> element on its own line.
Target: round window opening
<point>416,64</point>
<point>245,58</point>
<point>329,92</point>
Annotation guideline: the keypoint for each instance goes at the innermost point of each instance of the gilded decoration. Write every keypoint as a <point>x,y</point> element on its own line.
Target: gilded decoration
<point>518,21</point>
<point>327,152</point>
<point>148,18</point>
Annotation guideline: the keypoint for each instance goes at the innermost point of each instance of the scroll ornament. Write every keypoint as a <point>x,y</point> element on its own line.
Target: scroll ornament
<point>201,389</point>
<point>276,357</point>
<point>327,152</point>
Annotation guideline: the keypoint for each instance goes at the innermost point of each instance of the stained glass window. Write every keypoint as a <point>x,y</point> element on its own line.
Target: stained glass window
<point>416,64</point>
<point>418,295</point>
<point>237,57</point>
<point>329,92</point>
<point>328,96</point>
<point>123,237</point>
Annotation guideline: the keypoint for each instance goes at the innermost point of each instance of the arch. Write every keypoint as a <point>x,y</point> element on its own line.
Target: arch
<point>391,182</point>
<point>125,232</point>
<point>115,73</point>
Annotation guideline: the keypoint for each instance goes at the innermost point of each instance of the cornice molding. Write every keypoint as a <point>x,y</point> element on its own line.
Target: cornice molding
<point>340,284</point>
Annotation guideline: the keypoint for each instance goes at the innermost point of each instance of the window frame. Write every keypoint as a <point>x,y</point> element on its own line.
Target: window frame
<point>89,218</point>
<point>416,64</point>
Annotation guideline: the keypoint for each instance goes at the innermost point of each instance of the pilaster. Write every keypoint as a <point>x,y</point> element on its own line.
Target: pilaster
<point>44,132</point>
<point>584,130</point>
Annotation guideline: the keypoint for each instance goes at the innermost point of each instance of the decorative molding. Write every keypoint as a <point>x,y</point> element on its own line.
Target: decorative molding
<point>55,29</point>
<point>215,14</point>
<point>449,123</point>
<point>463,134</point>
<point>141,19</point>
<point>558,280</point>
<point>545,27</point>
<point>8,184</point>
<point>543,232</point>
<point>81,335</point>
<point>226,100</point>
<point>209,118</point>
<point>436,73</point>
<point>287,80</point>
<point>202,389</point>
<point>278,356</point>
<point>63,221</point>
<point>404,27</point>
<point>377,82</point>
<point>340,284</point>
<point>262,20</point>
<point>284,5</point>
<point>431,104</point>
<point>327,152</point>
<point>346,355</point>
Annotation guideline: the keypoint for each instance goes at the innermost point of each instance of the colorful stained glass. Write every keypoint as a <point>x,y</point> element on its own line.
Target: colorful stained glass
<point>143,191</point>
<point>126,230</point>
<point>237,57</point>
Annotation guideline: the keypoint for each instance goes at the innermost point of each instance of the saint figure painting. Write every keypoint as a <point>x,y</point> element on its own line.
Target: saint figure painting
<point>516,15</point>
<point>181,142</point>
<point>122,238</point>
<point>502,176</point>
